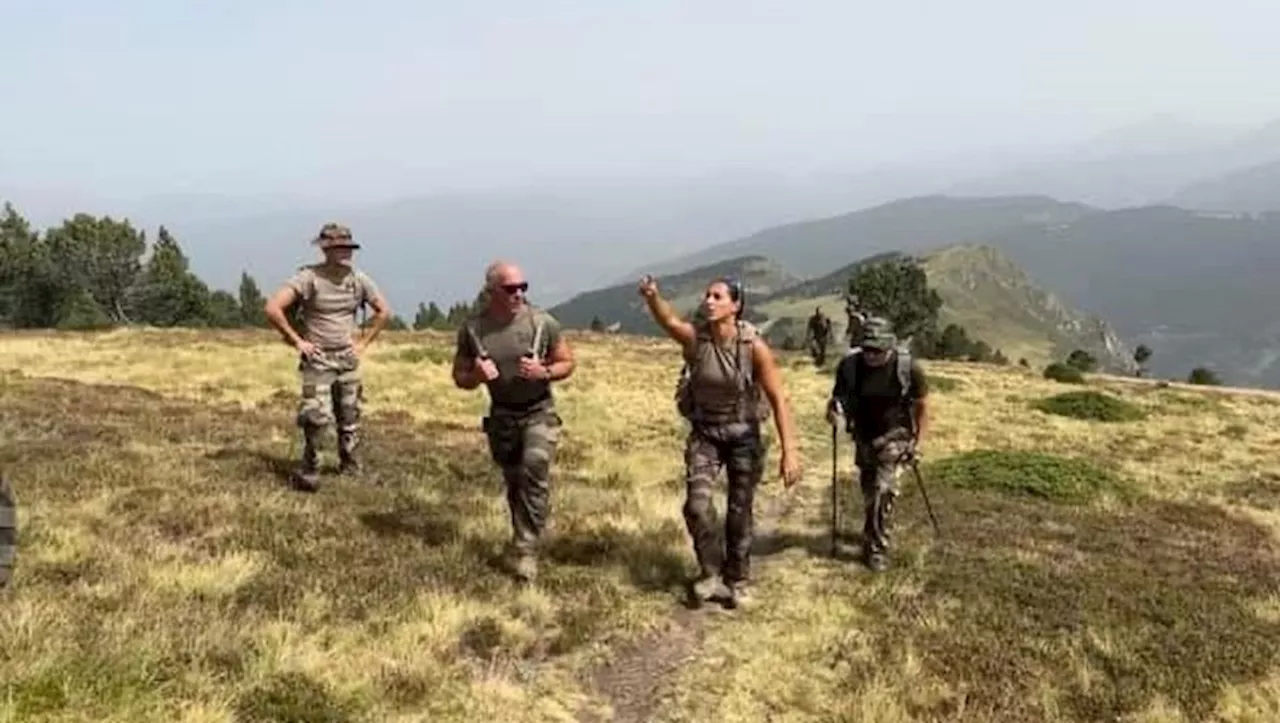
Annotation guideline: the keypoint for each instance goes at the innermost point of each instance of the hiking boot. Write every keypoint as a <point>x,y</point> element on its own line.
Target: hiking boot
<point>877,561</point>
<point>305,479</point>
<point>524,566</point>
<point>739,594</point>
<point>349,465</point>
<point>307,476</point>
<point>709,587</point>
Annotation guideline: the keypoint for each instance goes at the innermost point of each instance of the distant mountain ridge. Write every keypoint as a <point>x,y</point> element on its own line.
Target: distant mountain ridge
<point>981,289</point>
<point>813,248</point>
<point>1197,287</point>
<point>622,305</point>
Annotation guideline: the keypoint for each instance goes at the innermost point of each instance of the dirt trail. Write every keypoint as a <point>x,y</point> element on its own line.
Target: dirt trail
<point>640,675</point>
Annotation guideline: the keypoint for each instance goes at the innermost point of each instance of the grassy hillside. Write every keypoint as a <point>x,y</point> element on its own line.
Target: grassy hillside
<point>997,301</point>
<point>621,304</point>
<point>815,248</point>
<point>1085,570</point>
<point>982,290</point>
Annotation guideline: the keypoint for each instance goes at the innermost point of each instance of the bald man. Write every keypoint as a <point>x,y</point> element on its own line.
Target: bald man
<point>517,351</point>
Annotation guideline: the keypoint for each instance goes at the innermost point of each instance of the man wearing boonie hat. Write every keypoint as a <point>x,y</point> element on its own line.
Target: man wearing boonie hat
<point>328,295</point>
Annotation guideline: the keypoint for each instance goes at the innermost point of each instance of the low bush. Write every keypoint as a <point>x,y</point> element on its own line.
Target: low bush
<point>1058,479</point>
<point>1091,406</point>
<point>1065,373</point>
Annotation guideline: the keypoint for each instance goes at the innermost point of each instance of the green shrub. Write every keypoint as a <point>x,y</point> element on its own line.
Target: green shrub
<point>1065,373</point>
<point>1092,406</point>
<point>1037,474</point>
<point>1204,376</point>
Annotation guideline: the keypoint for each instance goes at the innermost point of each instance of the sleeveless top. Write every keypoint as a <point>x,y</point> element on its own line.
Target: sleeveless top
<point>721,380</point>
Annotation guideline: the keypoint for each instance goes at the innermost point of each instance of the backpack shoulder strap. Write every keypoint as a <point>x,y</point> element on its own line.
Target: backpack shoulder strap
<point>470,326</point>
<point>904,372</point>
<point>746,337</point>
<point>538,322</point>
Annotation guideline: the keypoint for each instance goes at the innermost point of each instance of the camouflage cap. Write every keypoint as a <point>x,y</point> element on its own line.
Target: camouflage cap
<point>877,333</point>
<point>334,235</point>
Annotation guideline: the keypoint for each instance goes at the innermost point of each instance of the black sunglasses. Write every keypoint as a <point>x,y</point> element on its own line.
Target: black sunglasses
<point>513,288</point>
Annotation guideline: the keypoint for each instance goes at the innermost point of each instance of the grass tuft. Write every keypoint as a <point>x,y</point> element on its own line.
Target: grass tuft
<point>293,698</point>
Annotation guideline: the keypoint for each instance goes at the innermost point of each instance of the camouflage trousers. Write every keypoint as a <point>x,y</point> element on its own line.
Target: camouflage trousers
<point>332,393</point>
<point>818,350</point>
<point>878,469</point>
<point>740,450</point>
<point>524,446</point>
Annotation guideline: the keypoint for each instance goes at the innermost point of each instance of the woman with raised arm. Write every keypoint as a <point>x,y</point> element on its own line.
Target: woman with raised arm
<point>728,368</point>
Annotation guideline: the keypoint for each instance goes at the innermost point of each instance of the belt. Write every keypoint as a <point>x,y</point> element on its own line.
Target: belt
<point>525,406</point>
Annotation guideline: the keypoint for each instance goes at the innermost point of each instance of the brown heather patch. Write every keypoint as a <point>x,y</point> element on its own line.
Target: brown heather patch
<point>166,573</point>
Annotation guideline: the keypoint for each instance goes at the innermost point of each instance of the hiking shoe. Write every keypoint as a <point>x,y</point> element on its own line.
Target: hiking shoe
<point>739,594</point>
<point>877,561</point>
<point>305,480</point>
<point>709,587</point>
<point>350,466</point>
<point>525,567</point>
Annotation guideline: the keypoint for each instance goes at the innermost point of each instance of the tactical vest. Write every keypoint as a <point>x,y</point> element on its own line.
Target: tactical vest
<point>749,404</point>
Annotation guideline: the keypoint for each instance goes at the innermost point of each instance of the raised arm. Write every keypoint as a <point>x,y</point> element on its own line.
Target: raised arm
<point>770,381</point>
<point>676,328</point>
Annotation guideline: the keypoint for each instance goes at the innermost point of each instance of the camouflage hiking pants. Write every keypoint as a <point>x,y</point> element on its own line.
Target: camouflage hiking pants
<point>332,392</point>
<point>818,350</point>
<point>524,446</point>
<point>878,471</point>
<point>740,449</point>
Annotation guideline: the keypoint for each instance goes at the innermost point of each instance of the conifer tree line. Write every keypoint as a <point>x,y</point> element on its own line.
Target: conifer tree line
<point>92,273</point>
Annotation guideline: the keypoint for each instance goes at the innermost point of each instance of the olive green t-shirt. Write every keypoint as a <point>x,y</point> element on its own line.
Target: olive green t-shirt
<point>506,344</point>
<point>330,301</point>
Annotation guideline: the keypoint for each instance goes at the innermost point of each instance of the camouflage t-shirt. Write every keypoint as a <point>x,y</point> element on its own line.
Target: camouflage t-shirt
<point>506,344</point>
<point>330,302</point>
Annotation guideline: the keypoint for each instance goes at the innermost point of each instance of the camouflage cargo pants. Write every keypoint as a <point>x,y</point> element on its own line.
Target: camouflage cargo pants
<point>818,350</point>
<point>878,470</point>
<point>332,392</point>
<point>740,450</point>
<point>524,446</point>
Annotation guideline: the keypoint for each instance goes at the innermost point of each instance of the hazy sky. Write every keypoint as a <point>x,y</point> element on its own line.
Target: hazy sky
<point>386,97</point>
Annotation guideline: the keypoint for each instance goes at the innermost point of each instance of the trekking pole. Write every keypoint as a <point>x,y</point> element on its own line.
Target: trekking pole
<point>915,467</point>
<point>835,491</point>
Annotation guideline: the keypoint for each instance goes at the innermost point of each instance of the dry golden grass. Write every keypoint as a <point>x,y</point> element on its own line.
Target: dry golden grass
<point>166,573</point>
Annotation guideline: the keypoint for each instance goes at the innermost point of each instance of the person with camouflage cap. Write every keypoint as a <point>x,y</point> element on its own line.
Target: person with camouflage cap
<point>517,351</point>
<point>729,384</point>
<point>883,394</point>
<point>329,294</point>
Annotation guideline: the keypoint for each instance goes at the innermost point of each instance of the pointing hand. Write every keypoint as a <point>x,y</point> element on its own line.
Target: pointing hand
<point>648,287</point>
